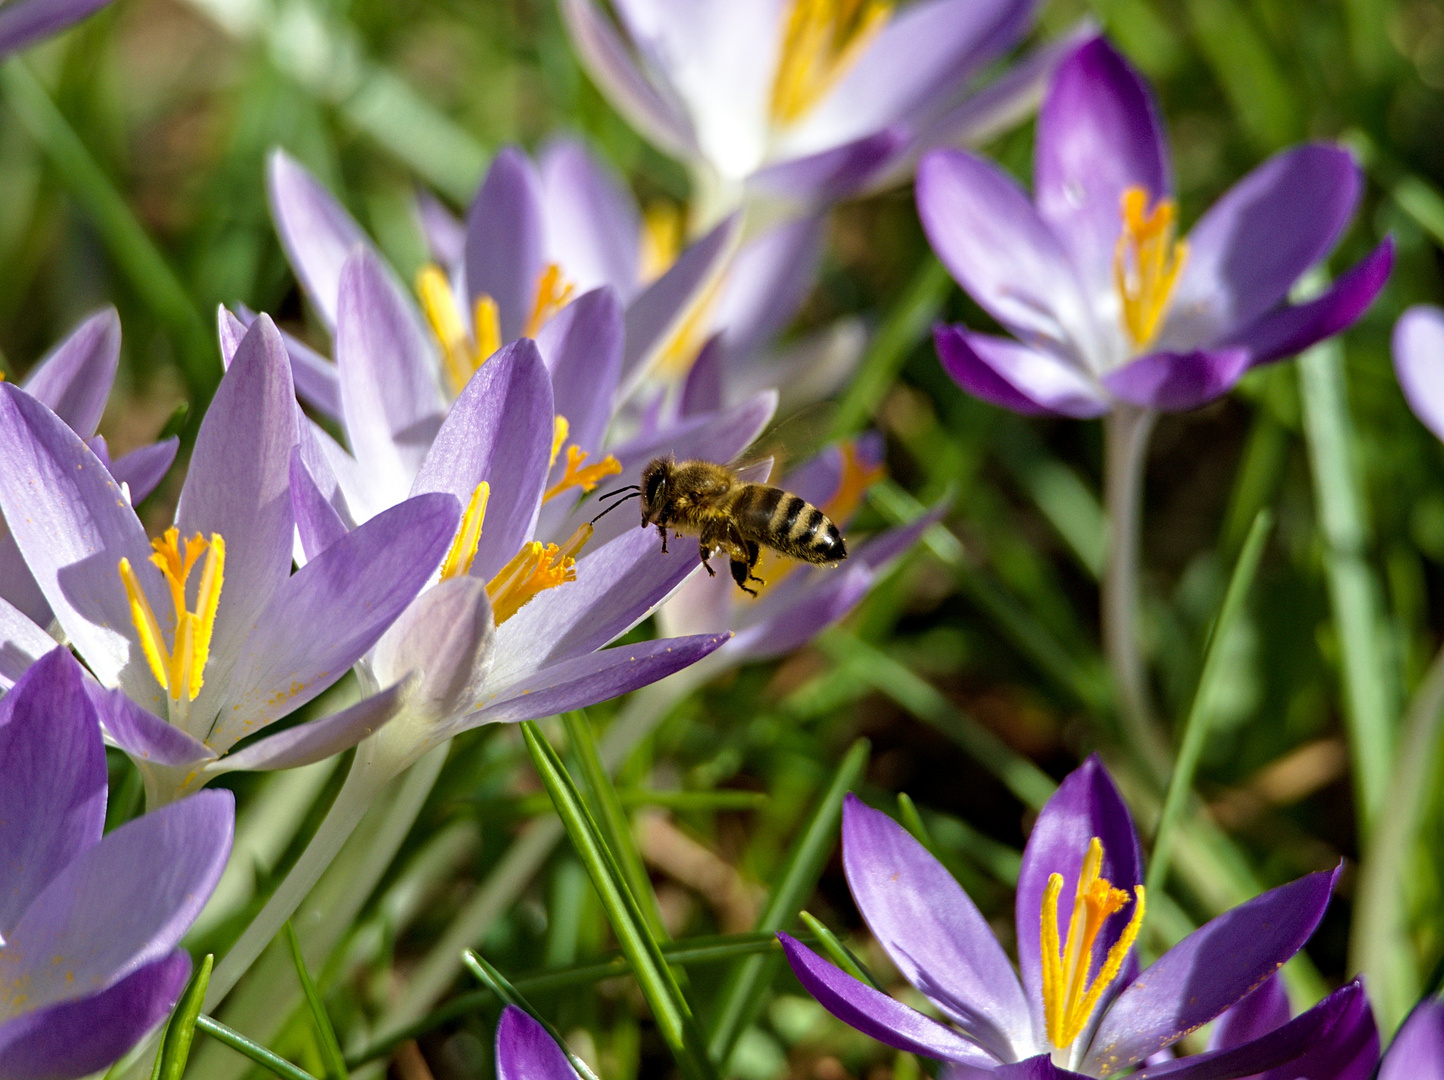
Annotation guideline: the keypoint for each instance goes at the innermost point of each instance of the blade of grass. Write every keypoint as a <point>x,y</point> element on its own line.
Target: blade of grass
<point>272,1063</point>
<point>741,996</point>
<point>615,825</point>
<point>326,1035</point>
<point>912,820</point>
<point>180,1029</point>
<point>1201,712</point>
<point>658,984</point>
<point>840,954</point>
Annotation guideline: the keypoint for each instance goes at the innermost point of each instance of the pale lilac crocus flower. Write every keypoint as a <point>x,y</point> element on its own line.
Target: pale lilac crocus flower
<point>1419,363</point>
<point>74,380</point>
<point>1104,305</point>
<point>1081,1007</point>
<point>806,101</point>
<point>1417,1052</point>
<point>204,636</point>
<point>89,924</point>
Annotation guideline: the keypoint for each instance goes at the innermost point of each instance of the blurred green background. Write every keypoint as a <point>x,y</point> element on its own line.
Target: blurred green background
<point>975,669</point>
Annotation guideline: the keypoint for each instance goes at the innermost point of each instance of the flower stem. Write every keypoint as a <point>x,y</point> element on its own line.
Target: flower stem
<point>1126,430</point>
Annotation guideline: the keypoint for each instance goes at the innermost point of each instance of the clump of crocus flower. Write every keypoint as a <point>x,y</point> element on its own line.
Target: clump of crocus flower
<point>1105,303</point>
<point>89,925</point>
<point>1081,1007</point>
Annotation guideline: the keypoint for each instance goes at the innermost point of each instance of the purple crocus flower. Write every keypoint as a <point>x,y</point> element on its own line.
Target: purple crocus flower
<point>1104,305</point>
<point>203,637</point>
<point>1082,1007</point>
<point>806,100</point>
<point>524,1050</point>
<point>88,924</point>
<point>25,22</point>
<point>1419,363</point>
<point>74,380</point>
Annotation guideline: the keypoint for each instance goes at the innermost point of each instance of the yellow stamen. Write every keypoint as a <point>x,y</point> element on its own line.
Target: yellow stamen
<point>461,355</point>
<point>1069,996</point>
<point>1146,263</point>
<point>586,478</point>
<point>534,569</point>
<point>661,240</point>
<point>680,352</point>
<point>553,292</point>
<point>486,317</point>
<point>561,428</point>
<point>468,536</point>
<point>181,668</point>
<point>822,40</point>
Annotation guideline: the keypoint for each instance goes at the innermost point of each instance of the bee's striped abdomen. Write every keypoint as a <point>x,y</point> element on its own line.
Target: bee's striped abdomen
<point>787,523</point>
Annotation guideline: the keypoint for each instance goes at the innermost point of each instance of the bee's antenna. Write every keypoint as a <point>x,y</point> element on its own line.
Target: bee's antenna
<point>617,491</point>
<point>608,510</point>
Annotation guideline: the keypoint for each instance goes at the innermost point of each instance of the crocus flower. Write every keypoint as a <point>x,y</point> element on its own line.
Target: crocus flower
<point>25,22</point>
<point>1417,1052</point>
<point>203,636</point>
<point>524,1050</point>
<point>1081,1007</point>
<point>1419,363</point>
<point>74,379</point>
<point>88,924</point>
<point>1104,304</point>
<point>806,100</point>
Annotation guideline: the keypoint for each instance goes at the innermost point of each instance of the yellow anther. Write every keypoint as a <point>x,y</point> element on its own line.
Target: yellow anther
<point>487,319</point>
<point>822,39</point>
<point>661,240</point>
<point>1069,996</point>
<point>1146,263</point>
<point>584,477</point>
<point>179,669</point>
<point>461,355</point>
<point>534,569</point>
<point>463,548</point>
<point>561,428</point>
<point>553,292</point>
<point>681,350</point>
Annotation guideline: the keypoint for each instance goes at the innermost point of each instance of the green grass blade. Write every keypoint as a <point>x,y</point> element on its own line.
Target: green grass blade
<point>741,996</point>
<point>658,984</point>
<point>913,821</point>
<point>272,1063</point>
<point>326,1034</point>
<point>180,1029</point>
<point>1200,713</point>
<point>837,952</point>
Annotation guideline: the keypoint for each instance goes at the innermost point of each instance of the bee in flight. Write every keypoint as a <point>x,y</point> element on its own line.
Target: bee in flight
<point>729,515</point>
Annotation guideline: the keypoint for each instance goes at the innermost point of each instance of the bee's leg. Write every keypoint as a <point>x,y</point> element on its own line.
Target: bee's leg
<point>663,530</point>
<point>740,575</point>
<point>704,550</point>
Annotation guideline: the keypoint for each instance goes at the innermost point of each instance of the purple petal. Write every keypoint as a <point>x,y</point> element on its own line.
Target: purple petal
<point>786,625</point>
<point>654,316</point>
<point>932,931</point>
<point>524,1050</point>
<point>52,780</point>
<point>21,644</point>
<point>239,481</point>
<point>77,1038</point>
<point>1292,329</point>
<point>123,903</point>
<point>1176,382</point>
<point>316,231</point>
<point>499,430</point>
<point>1418,1048</point>
<point>986,232</point>
<point>878,550</point>
<point>317,522</point>
<point>29,21</point>
<point>73,525</point>
<point>659,119</point>
<point>316,740</point>
<point>1011,375</point>
<point>327,464</point>
<point>1335,1040</point>
<point>74,380</point>
<point>445,234</point>
<point>1086,805</point>
<point>833,174</point>
<point>331,611</point>
<point>1255,242</point>
<point>390,400</point>
<point>582,346</point>
<point>1256,1015</point>
<point>1211,969</point>
<point>593,228</point>
<point>143,735</point>
<point>142,470</point>
<point>446,636</point>
<point>505,239</point>
<point>18,587</point>
<point>875,1014</point>
<point>1099,133</point>
<point>767,282</point>
<point>703,391</point>
<point>317,383</point>
<point>583,681</point>
<point>700,605</point>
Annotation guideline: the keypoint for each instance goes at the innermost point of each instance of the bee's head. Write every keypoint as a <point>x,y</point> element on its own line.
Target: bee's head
<point>656,482</point>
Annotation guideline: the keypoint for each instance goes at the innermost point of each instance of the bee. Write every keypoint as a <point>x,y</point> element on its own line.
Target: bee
<point>729,515</point>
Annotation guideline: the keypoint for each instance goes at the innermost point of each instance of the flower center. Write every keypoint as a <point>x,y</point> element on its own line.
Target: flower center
<point>661,240</point>
<point>461,354</point>
<point>1069,997</point>
<point>575,473</point>
<point>534,569</point>
<point>180,668</point>
<point>822,40</point>
<point>1146,263</point>
<point>553,292</point>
